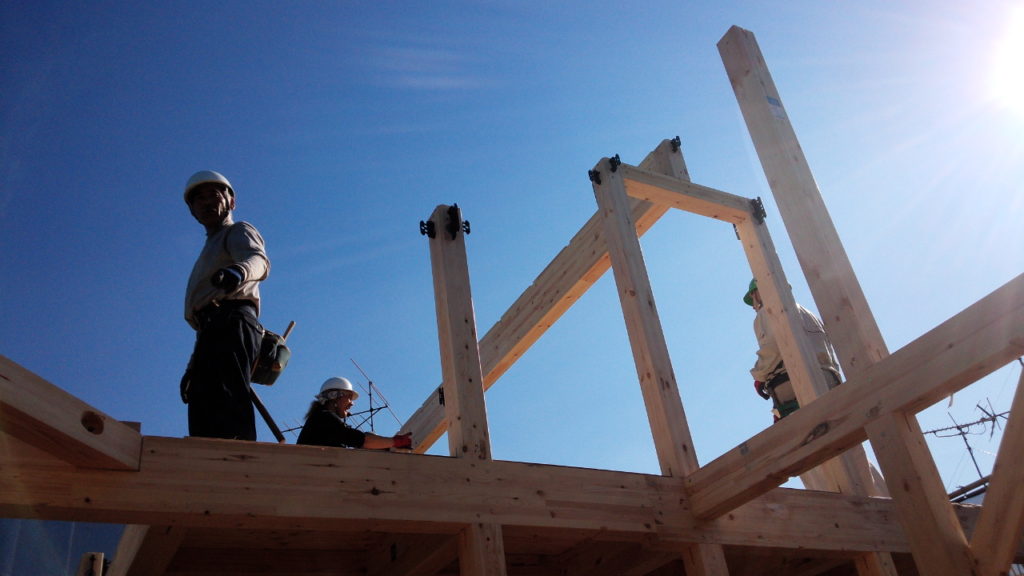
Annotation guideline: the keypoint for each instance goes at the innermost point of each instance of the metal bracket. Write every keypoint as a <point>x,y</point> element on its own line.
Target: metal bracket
<point>440,395</point>
<point>676,144</point>
<point>427,228</point>
<point>455,222</point>
<point>757,209</point>
<point>595,176</point>
<point>614,162</point>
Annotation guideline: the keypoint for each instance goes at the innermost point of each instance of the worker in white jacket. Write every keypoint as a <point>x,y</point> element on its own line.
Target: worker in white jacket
<point>771,381</point>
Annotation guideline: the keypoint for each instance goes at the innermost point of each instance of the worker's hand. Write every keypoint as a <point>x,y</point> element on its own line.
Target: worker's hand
<point>227,279</point>
<point>403,440</point>
<point>759,387</point>
<point>186,383</point>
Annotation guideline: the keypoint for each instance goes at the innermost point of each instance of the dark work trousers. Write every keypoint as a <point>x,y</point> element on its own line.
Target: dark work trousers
<point>226,346</point>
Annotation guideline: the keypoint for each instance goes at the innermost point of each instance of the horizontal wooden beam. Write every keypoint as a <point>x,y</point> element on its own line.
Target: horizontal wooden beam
<point>675,193</point>
<point>197,483</point>
<point>958,352</point>
<point>41,414</point>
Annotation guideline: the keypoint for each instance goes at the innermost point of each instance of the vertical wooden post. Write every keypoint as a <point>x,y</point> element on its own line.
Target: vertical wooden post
<point>671,432</point>
<point>481,548</point>
<point>937,541</point>
<point>90,564</point>
<point>1001,523</point>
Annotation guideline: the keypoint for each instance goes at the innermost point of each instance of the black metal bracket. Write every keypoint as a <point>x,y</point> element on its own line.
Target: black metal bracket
<point>427,228</point>
<point>440,395</point>
<point>676,144</point>
<point>455,222</point>
<point>595,175</point>
<point>453,226</point>
<point>757,209</point>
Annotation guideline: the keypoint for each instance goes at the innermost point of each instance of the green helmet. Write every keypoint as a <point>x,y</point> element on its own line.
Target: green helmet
<point>747,299</point>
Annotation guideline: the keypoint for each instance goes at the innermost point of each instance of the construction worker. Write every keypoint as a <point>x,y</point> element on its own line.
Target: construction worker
<point>222,303</point>
<point>771,381</point>
<point>326,426</point>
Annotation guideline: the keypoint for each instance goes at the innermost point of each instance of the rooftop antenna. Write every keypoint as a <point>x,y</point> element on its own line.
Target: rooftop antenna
<point>962,430</point>
<point>370,388</point>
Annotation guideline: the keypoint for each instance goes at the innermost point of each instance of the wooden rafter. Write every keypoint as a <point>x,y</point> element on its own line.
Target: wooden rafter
<point>41,414</point>
<point>569,275</point>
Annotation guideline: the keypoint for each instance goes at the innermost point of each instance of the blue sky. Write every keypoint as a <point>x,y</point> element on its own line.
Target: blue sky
<point>342,124</point>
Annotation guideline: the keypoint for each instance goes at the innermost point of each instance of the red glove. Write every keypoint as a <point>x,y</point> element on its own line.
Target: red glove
<point>759,387</point>
<point>403,440</point>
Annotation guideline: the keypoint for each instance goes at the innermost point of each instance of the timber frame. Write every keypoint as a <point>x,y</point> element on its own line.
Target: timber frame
<point>200,506</point>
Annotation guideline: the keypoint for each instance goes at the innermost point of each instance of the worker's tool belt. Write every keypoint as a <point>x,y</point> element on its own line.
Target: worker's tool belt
<point>273,357</point>
<point>775,381</point>
<point>215,310</point>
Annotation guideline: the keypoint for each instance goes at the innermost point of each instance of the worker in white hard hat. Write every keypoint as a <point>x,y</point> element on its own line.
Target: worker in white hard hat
<point>771,381</point>
<point>222,304</point>
<point>326,426</point>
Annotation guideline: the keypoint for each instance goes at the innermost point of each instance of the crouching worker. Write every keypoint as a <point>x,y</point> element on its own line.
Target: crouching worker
<point>325,422</point>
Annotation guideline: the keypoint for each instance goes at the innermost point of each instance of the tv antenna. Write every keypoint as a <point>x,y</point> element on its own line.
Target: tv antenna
<point>370,388</point>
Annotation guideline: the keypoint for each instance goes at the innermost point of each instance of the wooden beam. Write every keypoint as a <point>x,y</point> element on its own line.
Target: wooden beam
<point>671,433</point>
<point>569,275</point>
<point>904,463</point>
<point>841,301</point>
<point>464,406</point>
<point>481,549</point>
<point>90,564</point>
<point>1001,525</point>
<point>146,550</point>
<point>672,439</point>
<point>417,555</point>
<point>675,192</point>
<point>958,352</point>
<point>600,558</point>
<point>238,485</point>
<point>49,418</point>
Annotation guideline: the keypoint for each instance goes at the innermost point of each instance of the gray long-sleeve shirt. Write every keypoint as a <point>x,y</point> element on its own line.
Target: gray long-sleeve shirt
<point>238,244</point>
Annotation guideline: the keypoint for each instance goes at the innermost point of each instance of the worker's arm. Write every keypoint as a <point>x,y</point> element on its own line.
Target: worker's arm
<point>375,442</point>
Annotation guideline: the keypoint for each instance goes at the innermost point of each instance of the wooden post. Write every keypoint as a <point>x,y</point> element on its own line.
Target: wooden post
<point>672,439</point>
<point>940,547</point>
<point>481,549</point>
<point>998,531</point>
<point>90,564</point>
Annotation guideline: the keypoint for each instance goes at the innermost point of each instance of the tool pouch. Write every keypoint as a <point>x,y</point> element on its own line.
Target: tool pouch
<point>273,357</point>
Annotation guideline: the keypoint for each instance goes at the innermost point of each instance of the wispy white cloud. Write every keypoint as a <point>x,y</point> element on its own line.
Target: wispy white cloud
<point>427,68</point>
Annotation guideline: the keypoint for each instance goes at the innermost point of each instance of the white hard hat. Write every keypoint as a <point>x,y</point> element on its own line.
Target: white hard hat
<point>204,176</point>
<point>337,383</point>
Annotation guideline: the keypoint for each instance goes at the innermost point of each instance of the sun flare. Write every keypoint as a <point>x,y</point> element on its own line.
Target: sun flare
<point>1007,72</point>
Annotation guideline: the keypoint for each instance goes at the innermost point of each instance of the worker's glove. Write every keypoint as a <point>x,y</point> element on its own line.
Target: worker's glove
<point>762,390</point>
<point>403,440</point>
<point>186,383</point>
<point>227,279</point>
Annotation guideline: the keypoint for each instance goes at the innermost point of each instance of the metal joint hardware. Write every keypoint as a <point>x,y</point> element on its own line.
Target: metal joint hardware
<point>757,209</point>
<point>427,228</point>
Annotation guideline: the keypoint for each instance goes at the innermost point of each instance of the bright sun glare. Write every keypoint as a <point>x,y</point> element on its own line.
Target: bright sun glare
<point>1007,71</point>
